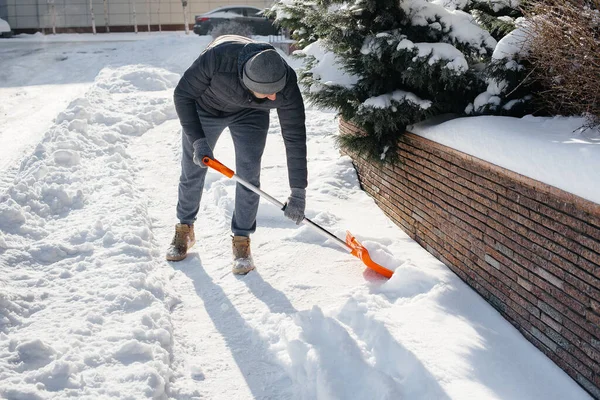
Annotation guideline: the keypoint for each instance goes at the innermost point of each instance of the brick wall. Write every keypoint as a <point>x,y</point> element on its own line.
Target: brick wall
<point>531,250</point>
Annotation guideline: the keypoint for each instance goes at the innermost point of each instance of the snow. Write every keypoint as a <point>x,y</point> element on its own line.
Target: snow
<point>327,69</point>
<point>400,96</point>
<point>89,309</point>
<point>509,51</point>
<point>436,52</point>
<point>514,44</point>
<point>486,98</point>
<point>458,24</point>
<point>499,5</point>
<point>495,5</point>
<point>4,26</point>
<point>553,150</point>
<point>281,9</point>
<point>433,52</point>
<point>452,4</point>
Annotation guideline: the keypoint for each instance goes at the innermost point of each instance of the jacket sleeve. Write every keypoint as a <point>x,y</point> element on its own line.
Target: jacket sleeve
<point>293,129</point>
<point>191,86</point>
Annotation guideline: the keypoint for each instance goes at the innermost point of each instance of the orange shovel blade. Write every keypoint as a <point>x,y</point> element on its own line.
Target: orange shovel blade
<point>359,251</point>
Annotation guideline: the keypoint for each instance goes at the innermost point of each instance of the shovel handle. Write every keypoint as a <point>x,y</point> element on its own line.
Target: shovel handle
<point>351,244</point>
<point>217,166</point>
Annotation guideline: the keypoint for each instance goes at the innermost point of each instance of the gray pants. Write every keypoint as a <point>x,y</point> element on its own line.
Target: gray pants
<point>249,133</point>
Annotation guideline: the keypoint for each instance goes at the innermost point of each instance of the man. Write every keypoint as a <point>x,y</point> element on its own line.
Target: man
<point>234,83</point>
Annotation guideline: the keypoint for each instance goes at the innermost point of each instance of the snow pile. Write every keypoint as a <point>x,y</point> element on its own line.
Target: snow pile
<point>15,305</point>
<point>89,302</point>
<point>136,78</point>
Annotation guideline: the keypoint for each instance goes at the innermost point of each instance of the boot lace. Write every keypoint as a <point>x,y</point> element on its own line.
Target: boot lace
<point>241,248</point>
<point>180,238</point>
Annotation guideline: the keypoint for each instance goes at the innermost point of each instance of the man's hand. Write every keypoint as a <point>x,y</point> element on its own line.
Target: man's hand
<point>201,149</point>
<point>294,208</point>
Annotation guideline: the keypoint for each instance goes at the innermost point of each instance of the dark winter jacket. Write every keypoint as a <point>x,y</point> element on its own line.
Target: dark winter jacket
<point>214,84</point>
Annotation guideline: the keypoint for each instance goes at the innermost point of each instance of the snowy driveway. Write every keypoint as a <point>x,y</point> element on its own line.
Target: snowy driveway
<point>89,309</point>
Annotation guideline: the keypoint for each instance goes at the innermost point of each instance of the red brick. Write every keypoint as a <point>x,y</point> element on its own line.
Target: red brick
<point>575,363</point>
<point>592,317</point>
<point>596,381</point>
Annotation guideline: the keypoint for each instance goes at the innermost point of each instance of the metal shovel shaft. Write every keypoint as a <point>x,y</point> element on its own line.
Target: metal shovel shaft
<point>217,166</point>
<point>305,221</point>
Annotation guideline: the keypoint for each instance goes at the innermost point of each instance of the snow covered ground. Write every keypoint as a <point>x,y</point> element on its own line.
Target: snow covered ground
<point>89,309</point>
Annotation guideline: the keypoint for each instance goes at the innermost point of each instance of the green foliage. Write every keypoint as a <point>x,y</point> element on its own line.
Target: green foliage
<point>497,27</point>
<point>515,98</point>
<point>389,48</point>
<point>384,129</point>
<point>292,16</point>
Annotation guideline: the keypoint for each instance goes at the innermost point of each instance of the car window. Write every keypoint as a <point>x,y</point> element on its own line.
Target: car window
<point>251,12</point>
<point>234,11</point>
<point>229,10</point>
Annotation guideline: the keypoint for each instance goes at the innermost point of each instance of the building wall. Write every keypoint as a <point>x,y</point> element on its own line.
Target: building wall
<point>531,250</point>
<point>3,9</point>
<point>36,14</point>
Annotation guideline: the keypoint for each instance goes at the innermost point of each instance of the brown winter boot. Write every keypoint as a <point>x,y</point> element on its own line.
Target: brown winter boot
<point>242,258</point>
<point>184,239</point>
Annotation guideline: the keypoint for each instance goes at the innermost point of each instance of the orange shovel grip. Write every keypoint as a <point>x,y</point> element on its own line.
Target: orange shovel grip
<point>217,166</point>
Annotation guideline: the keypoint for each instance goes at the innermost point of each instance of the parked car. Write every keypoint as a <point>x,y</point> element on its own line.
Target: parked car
<point>5,30</point>
<point>251,17</point>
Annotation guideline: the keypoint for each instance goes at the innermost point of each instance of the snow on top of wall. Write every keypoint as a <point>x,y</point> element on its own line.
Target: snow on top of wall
<point>553,150</point>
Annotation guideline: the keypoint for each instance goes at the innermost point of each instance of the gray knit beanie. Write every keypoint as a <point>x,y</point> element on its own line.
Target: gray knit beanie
<point>265,73</point>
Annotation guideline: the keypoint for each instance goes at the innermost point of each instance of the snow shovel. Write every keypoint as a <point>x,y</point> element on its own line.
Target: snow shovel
<point>351,244</point>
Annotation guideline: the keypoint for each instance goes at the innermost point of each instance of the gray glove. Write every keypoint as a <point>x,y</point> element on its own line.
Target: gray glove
<point>201,149</point>
<point>294,208</point>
